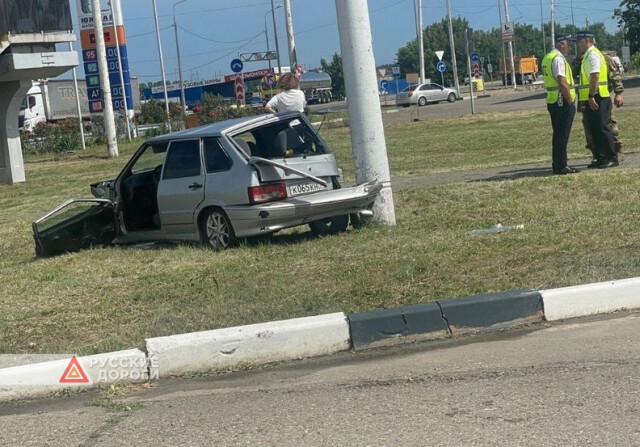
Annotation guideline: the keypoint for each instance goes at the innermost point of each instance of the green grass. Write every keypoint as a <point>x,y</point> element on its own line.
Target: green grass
<point>577,229</point>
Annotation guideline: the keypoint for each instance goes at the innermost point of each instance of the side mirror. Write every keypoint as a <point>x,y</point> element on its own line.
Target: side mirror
<point>32,102</point>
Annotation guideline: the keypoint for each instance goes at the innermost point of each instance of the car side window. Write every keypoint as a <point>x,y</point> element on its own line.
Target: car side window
<point>216,159</point>
<point>183,160</point>
<point>151,156</point>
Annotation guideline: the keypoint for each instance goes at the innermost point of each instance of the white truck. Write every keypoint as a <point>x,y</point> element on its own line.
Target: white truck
<point>55,99</point>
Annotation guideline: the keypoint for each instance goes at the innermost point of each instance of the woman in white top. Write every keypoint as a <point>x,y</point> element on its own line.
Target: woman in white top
<point>291,99</point>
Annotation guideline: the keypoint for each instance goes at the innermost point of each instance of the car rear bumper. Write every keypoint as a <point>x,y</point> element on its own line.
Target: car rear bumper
<point>273,216</point>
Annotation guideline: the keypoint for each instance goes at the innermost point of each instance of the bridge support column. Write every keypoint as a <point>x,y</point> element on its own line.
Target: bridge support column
<point>11,161</point>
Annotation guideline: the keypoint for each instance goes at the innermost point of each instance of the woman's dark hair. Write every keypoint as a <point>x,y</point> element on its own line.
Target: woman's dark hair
<point>288,81</point>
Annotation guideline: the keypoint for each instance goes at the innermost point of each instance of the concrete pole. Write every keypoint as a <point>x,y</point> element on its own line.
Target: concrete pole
<point>467,42</point>
<point>553,26</point>
<point>108,116</point>
<point>513,66</point>
<point>117,21</point>
<point>452,45</point>
<point>164,78</point>
<point>275,37</point>
<point>365,118</point>
<point>75,85</point>
<point>544,39</point>
<point>420,43</point>
<point>293,60</point>
<point>183,101</point>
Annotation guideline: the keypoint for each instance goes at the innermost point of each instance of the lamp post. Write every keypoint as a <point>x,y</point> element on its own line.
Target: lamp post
<point>183,102</point>
<point>266,34</point>
<point>275,36</point>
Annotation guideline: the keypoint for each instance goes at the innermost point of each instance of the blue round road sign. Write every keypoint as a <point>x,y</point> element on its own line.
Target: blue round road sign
<point>475,57</point>
<point>237,65</point>
<point>441,66</point>
<point>384,84</point>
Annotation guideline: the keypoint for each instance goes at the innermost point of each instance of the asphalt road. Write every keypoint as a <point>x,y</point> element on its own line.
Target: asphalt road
<point>575,383</point>
<point>502,100</point>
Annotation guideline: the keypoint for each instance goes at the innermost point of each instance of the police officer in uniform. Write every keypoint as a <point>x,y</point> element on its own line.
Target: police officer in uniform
<point>558,80</point>
<point>595,101</point>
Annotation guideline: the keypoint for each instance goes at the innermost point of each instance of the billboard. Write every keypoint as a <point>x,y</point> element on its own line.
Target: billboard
<point>117,61</point>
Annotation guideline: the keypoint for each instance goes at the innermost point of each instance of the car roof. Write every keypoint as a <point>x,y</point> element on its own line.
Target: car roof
<point>218,128</point>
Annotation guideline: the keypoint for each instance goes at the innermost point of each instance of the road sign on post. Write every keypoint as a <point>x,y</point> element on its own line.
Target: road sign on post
<point>441,66</point>
<point>439,54</point>
<point>508,33</point>
<point>236,65</point>
<point>395,69</point>
<point>239,88</point>
<point>270,79</point>
<point>384,84</point>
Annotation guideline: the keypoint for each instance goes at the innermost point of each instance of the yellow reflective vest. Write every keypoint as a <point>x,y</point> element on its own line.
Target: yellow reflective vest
<point>551,83</point>
<point>603,88</point>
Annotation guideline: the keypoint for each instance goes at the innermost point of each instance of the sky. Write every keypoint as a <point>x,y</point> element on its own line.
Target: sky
<point>212,32</point>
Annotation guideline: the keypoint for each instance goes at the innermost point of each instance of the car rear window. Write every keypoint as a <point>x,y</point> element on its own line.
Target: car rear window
<point>183,160</point>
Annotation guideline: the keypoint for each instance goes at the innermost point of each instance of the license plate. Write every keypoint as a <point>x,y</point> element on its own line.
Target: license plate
<point>305,188</point>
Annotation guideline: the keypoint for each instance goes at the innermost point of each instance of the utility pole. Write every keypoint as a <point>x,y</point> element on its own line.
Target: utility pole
<point>468,45</point>
<point>183,101</point>
<point>75,85</point>
<point>504,55</point>
<point>164,78</point>
<point>275,37</point>
<point>293,60</point>
<point>553,26</point>
<point>544,39</point>
<point>453,50</point>
<point>420,42</point>
<point>365,117</point>
<point>116,18</point>
<point>513,66</point>
<point>109,123</point>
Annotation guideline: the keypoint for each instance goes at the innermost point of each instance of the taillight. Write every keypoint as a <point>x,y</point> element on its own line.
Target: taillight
<point>267,193</point>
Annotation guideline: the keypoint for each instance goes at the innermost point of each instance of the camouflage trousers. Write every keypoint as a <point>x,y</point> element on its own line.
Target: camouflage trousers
<point>615,130</point>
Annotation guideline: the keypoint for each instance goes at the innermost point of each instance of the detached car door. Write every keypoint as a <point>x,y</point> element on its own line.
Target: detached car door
<point>181,187</point>
<point>75,225</point>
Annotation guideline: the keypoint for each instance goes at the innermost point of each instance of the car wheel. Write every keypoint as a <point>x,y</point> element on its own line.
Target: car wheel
<point>451,97</point>
<point>330,225</point>
<point>216,230</point>
<point>359,220</point>
<point>422,101</point>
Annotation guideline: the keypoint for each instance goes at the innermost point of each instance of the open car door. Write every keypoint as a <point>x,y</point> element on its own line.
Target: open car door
<point>75,225</point>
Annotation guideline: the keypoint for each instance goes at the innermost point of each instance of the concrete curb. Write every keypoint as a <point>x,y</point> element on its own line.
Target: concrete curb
<point>591,299</point>
<point>323,335</point>
<point>255,344</point>
<point>442,318</point>
<point>40,379</point>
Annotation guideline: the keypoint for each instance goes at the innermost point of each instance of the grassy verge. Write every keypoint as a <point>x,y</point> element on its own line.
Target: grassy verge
<point>577,229</point>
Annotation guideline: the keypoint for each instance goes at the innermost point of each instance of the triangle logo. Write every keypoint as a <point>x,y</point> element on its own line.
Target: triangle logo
<point>74,373</point>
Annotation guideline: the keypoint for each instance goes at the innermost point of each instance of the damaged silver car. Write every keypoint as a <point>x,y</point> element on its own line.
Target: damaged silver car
<point>215,183</point>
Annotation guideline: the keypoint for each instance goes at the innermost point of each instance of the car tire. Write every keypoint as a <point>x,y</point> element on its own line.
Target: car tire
<point>216,231</point>
<point>330,225</point>
<point>451,97</point>
<point>359,220</point>
<point>422,101</point>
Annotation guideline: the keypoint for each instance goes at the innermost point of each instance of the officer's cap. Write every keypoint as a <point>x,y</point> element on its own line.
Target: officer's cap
<point>562,37</point>
<point>585,34</point>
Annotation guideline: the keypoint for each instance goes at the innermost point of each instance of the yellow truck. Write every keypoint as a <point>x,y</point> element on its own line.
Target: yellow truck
<point>526,70</point>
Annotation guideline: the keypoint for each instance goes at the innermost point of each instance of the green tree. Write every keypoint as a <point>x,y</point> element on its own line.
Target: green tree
<point>628,16</point>
<point>334,69</point>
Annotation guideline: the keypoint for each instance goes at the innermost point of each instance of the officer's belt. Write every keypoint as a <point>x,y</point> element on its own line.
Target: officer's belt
<point>589,85</point>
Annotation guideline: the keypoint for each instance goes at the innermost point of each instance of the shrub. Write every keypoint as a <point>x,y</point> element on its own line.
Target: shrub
<point>62,136</point>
